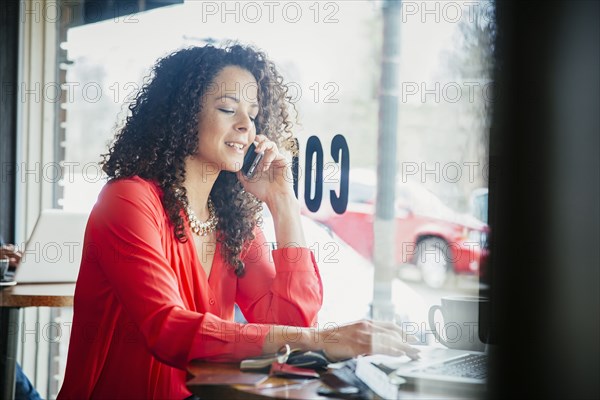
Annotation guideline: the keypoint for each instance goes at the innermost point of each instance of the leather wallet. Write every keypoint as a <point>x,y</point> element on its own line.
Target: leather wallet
<point>278,369</point>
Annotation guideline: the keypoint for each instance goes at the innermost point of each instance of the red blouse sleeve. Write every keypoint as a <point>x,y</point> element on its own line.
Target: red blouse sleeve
<point>125,231</point>
<point>282,286</point>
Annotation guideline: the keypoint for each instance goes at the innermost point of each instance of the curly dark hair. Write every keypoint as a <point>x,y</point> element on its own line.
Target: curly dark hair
<point>161,131</point>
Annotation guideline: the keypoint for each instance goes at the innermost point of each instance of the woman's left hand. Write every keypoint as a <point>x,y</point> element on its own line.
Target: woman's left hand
<point>273,176</point>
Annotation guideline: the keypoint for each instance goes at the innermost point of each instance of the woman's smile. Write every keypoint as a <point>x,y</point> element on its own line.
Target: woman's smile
<point>236,146</point>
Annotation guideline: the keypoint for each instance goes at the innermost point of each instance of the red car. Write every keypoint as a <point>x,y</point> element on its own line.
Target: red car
<point>429,234</point>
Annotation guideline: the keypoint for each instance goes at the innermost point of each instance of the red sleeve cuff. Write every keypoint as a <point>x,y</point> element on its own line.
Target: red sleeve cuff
<point>221,340</point>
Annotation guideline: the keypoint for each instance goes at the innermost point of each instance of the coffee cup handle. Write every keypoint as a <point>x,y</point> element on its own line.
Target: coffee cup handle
<point>438,337</point>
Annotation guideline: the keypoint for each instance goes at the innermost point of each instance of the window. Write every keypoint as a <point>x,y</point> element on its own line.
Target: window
<point>330,54</point>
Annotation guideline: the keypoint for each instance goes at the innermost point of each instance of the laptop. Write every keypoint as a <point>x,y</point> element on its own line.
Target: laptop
<point>442,369</point>
<point>53,252</point>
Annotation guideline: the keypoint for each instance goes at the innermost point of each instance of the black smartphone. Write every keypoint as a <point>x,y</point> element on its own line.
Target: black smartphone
<point>251,160</point>
<point>338,388</point>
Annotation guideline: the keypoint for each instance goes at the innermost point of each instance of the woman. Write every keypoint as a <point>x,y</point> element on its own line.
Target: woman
<point>157,286</point>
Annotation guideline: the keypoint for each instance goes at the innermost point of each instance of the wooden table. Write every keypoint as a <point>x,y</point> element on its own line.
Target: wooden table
<point>11,300</point>
<point>273,387</point>
<point>300,389</point>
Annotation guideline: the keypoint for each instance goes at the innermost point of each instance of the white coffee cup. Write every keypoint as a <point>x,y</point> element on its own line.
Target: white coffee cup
<point>461,322</point>
<point>3,267</point>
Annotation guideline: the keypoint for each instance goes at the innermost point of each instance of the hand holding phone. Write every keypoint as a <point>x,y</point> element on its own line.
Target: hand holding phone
<point>251,160</point>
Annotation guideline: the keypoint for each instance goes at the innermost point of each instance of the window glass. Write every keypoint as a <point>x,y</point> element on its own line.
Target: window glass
<point>330,54</point>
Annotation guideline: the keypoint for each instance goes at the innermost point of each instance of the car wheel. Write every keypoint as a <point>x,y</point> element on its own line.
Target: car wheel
<point>432,260</point>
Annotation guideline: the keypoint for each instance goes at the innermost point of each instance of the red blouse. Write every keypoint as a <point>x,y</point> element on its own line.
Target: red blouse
<point>144,307</point>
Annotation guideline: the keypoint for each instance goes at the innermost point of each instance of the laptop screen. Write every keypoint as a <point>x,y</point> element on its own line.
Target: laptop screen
<point>53,252</point>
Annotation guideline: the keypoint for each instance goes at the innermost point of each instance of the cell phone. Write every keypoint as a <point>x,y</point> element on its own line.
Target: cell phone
<point>336,387</point>
<point>251,160</point>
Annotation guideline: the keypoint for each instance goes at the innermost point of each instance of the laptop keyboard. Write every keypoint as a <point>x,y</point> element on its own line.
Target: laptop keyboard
<point>469,366</point>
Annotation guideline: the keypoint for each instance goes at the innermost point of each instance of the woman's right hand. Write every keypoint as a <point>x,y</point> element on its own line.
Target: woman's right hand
<point>366,337</point>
